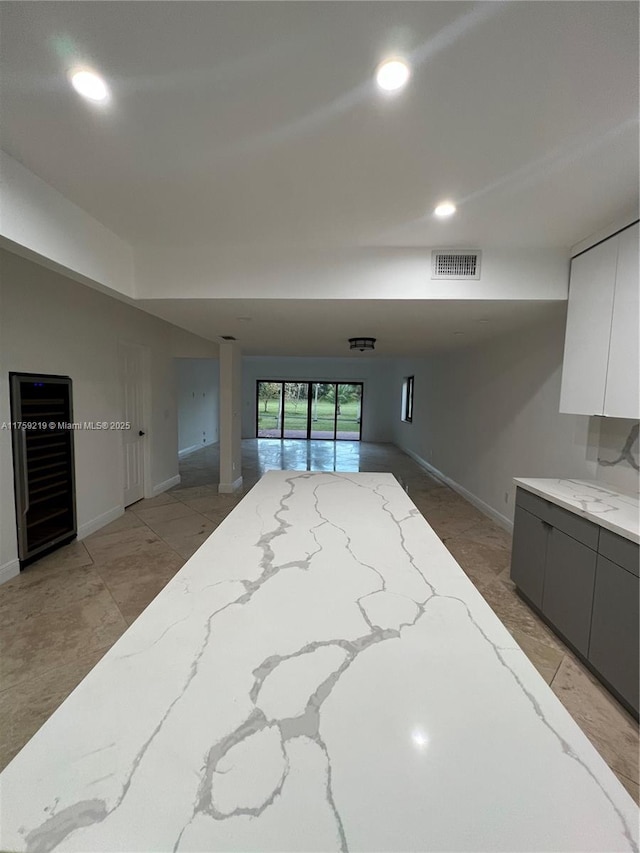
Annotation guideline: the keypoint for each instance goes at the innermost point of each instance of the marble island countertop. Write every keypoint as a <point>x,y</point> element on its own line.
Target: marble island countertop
<point>319,676</point>
<point>599,502</point>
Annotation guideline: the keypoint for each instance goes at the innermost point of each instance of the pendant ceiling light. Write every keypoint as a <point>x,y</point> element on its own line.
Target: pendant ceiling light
<point>362,343</point>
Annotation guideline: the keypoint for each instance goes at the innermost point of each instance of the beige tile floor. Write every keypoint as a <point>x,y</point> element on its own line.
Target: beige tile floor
<point>62,613</point>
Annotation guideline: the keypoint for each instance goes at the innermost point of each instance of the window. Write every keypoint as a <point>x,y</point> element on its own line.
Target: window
<point>407,399</point>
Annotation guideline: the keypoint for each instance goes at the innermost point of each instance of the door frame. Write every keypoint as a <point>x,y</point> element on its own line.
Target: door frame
<point>310,383</point>
<point>145,364</point>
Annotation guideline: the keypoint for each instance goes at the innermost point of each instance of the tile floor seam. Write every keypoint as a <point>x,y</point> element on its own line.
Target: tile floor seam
<point>168,544</point>
<point>628,778</point>
<point>557,670</point>
<point>37,678</point>
<point>112,597</point>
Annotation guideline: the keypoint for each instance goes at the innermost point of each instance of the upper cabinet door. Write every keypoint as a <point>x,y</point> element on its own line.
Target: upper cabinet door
<point>622,397</point>
<point>586,346</point>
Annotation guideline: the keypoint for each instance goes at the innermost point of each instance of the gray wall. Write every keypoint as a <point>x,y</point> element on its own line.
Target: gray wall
<point>198,402</point>
<point>50,324</point>
<point>486,414</point>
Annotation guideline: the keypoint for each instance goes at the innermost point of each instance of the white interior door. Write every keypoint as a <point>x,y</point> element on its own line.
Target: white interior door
<point>132,378</point>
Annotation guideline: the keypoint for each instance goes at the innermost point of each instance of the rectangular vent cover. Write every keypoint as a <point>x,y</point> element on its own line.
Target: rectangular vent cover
<point>455,263</point>
<point>228,338</point>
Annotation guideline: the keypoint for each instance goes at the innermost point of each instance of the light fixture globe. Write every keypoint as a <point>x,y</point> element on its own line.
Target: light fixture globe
<point>362,344</point>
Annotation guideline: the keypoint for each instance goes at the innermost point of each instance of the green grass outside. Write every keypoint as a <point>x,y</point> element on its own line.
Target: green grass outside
<point>347,419</point>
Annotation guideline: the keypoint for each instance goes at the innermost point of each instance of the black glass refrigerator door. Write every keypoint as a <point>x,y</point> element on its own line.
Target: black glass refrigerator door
<point>43,462</point>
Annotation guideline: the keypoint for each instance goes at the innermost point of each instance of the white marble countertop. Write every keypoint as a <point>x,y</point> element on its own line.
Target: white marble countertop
<point>319,676</point>
<point>599,502</point>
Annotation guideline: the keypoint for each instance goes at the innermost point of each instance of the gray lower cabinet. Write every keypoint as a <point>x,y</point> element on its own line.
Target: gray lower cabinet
<point>583,580</point>
<point>613,649</point>
<point>528,554</point>
<point>570,571</point>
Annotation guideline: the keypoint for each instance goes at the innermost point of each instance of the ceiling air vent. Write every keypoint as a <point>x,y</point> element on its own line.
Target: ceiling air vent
<point>455,263</point>
<point>228,338</point>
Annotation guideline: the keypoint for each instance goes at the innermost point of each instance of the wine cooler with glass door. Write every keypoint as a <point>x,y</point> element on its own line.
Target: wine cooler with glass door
<point>43,463</point>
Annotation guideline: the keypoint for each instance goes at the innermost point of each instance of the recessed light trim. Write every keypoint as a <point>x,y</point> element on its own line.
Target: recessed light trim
<point>90,85</point>
<point>445,209</point>
<point>393,75</point>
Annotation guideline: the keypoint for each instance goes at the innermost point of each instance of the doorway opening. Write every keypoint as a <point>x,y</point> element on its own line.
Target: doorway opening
<point>310,410</point>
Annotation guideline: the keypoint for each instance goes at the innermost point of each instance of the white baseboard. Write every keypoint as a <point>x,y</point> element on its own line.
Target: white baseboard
<point>477,502</point>
<point>99,521</point>
<point>167,484</point>
<point>194,447</point>
<point>189,450</point>
<point>9,570</point>
<point>230,488</point>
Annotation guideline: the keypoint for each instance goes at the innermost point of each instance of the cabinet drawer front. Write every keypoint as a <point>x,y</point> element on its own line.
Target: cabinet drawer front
<point>528,554</point>
<point>534,504</point>
<point>619,550</point>
<point>568,588</point>
<point>575,526</point>
<point>613,648</point>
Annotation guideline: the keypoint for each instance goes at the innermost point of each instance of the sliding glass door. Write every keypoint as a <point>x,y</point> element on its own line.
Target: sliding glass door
<point>296,409</point>
<point>349,411</point>
<point>269,415</point>
<point>323,416</point>
<point>309,410</point>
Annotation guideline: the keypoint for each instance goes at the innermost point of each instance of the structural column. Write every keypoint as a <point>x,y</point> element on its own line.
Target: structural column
<point>230,417</point>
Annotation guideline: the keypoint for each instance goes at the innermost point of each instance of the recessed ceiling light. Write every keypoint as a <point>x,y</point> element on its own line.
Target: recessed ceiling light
<point>392,75</point>
<point>89,85</point>
<point>446,208</point>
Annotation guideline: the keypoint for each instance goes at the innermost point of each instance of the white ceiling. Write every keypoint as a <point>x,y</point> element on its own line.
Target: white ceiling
<point>257,123</point>
<point>322,327</point>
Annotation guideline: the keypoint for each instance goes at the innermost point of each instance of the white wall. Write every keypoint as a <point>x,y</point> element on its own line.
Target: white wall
<point>51,324</point>
<point>373,372</point>
<point>198,389</point>
<point>164,272</point>
<point>486,414</point>
<point>41,222</point>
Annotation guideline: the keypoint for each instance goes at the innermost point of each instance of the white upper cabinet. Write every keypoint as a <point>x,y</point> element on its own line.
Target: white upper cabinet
<point>600,366</point>
<point>586,343</point>
<point>622,394</point>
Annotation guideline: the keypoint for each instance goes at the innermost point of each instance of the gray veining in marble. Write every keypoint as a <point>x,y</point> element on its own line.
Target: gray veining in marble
<point>385,560</point>
<point>626,454</point>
